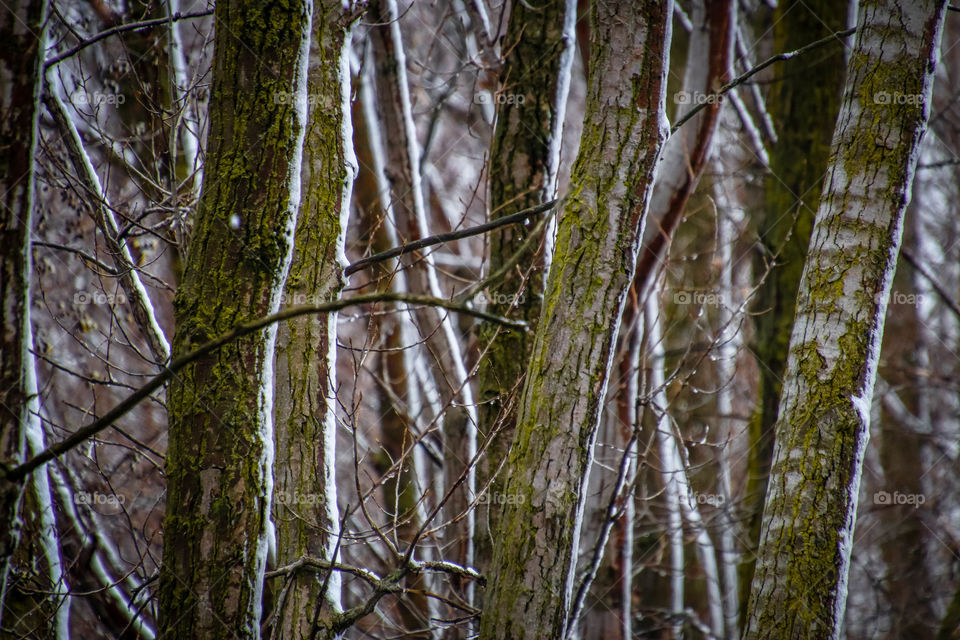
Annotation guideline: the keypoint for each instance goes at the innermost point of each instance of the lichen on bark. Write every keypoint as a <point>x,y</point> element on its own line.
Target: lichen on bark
<point>799,587</point>
<point>220,446</point>
<point>596,250</point>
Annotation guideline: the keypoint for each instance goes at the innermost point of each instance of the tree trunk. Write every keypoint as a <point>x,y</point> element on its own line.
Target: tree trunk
<point>803,105</point>
<point>531,578</point>
<point>22,47</point>
<point>531,104</point>
<point>799,587</point>
<point>305,490</point>
<point>219,462</point>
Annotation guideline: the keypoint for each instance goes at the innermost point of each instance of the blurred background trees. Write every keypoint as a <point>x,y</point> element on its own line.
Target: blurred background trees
<point>172,169</point>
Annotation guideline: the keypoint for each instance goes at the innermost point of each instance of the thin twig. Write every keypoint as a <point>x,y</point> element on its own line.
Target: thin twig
<point>135,26</point>
<point>243,329</point>
<point>709,99</point>
<point>448,237</point>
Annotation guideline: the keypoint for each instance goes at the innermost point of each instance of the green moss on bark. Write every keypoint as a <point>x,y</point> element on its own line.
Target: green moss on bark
<point>529,592</point>
<point>803,103</point>
<point>799,586</point>
<point>214,530</point>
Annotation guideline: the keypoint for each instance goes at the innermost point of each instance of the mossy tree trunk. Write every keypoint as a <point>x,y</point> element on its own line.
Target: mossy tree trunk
<point>220,452</point>
<point>799,586</point>
<point>803,103</point>
<point>531,579</point>
<point>305,508</point>
<point>521,175</point>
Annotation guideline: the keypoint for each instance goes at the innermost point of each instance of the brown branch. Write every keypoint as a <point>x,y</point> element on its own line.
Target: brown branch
<point>520,216</point>
<point>135,26</point>
<point>718,19</point>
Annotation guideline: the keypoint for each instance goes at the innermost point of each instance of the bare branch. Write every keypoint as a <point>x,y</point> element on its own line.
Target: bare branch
<point>243,329</point>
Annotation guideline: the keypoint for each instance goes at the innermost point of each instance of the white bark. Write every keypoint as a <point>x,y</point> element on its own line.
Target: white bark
<point>729,340</point>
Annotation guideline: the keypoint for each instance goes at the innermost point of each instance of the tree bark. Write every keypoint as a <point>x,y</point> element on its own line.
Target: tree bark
<point>803,105</point>
<point>799,587</point>
<point>220,453</point>
<point>22,47</point>
<point>305,491</point>
<point>531,578</point>
<point>522,174</point>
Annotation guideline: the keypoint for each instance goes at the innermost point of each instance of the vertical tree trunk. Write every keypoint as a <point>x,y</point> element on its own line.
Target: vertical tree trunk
<point>220,453</point>
<point>22,47</point>
<point>531,104</point>
<point>803,104</point>
<point>531,578</point>
<point>799,587</point>
<point>305,490</point>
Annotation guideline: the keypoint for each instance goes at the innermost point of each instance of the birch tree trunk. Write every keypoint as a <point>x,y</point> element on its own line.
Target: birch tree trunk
<point>305,513</point>
<point>531,578</point>
<point>219,462</point>
<point>799,587</point>
<point>23,29</point>
<point>803,106</point>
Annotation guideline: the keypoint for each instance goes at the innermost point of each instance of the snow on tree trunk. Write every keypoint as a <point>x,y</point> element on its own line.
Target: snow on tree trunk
<point>529,118</point>
<point>22,46</point>
<point>220,453</point>
<point>305,492</point>
<point>531,579</point>
<point>800,583</point>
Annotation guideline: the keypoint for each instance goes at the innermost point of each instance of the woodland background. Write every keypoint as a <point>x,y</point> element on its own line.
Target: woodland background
<point>392,419</point>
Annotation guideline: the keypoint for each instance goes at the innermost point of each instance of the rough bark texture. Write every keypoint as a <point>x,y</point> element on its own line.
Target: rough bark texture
<point>803,104</point>
<point>519,169</point>
<point>220,452</point>
<point>799,587</point>
<point>531,577</point>
<point>21,60</point>
<point>305,507</point>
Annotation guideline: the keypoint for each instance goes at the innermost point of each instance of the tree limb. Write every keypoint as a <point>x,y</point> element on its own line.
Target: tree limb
<point>135,26</point>
<point>239,331</point>
<point>780,57</point>
<point>520,216</point>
